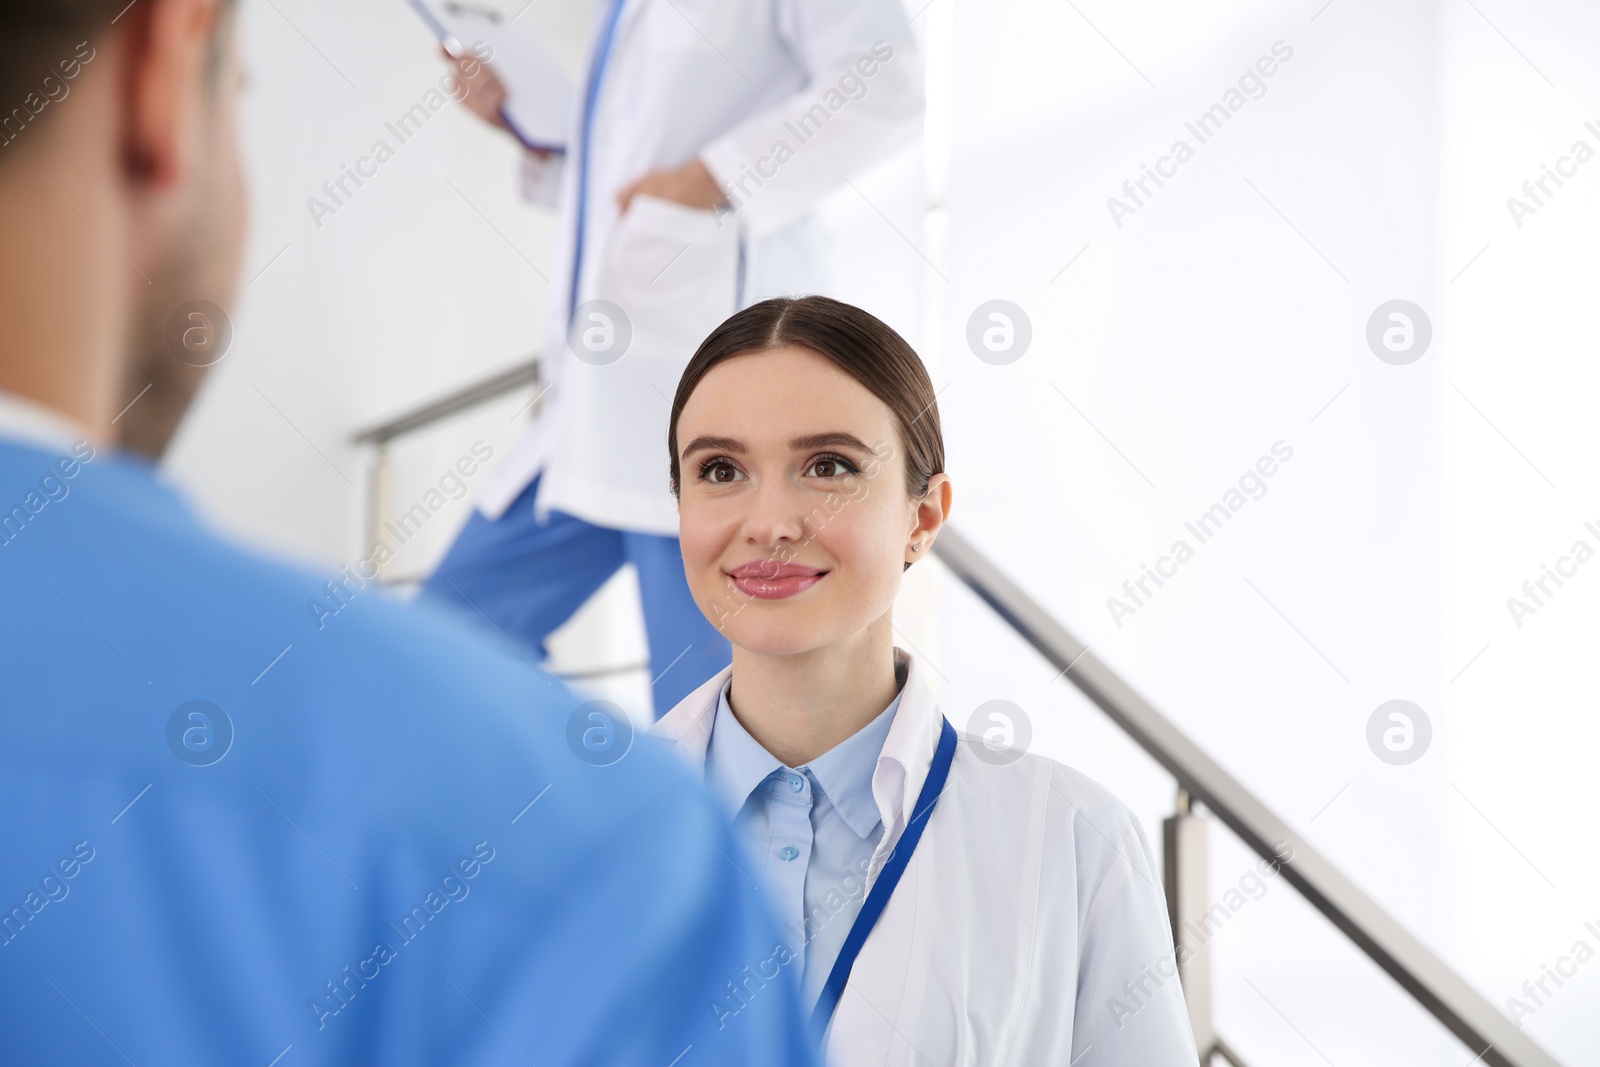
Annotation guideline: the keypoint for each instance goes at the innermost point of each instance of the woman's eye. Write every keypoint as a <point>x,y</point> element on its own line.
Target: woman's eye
<point>719,472</point>
<point>831,467</point>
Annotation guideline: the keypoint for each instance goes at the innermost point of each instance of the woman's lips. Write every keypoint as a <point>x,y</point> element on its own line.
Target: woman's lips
<point>775,588</point>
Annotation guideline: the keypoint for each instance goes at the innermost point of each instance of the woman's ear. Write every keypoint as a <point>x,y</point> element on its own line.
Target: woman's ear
<point>931,512</point>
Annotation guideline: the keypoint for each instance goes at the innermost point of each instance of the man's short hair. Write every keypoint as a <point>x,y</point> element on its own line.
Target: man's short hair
<point>37,36</point>
<point>44,45</point>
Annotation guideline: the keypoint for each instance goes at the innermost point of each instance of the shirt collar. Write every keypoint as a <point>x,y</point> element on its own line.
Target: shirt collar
<point>903,764</point>
<point>907,754</point>
<point>32,423</point>
<point>737,764</point>
<point>845,771</point>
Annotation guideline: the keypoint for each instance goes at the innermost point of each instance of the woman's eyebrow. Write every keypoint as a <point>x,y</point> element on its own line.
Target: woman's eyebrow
<point>711,441</point>
<point>822,440</point>
<point>815,440</point>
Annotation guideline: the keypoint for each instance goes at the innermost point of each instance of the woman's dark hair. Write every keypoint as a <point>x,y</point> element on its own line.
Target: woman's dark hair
<point>859,343</point>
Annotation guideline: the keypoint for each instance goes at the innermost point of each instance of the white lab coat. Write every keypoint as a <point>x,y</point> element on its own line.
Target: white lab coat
<point>1031,899</point>
<point>727,81</point>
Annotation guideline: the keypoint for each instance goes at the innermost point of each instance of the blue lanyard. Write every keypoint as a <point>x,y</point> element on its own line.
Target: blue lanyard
<point>888,878</point>
<point>602,54</point>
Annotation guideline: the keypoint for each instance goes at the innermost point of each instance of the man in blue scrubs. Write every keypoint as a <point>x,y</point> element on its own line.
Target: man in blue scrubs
<point>227,836</point>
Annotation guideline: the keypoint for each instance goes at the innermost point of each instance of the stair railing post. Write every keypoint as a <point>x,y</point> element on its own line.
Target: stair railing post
<point>1186,872</point>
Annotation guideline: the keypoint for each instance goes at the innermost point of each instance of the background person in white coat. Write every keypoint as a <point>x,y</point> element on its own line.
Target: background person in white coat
<point>706,132</point>
<point>1014,908</point>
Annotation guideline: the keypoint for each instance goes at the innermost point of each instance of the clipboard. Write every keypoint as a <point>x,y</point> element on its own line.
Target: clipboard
<point>539,94</point>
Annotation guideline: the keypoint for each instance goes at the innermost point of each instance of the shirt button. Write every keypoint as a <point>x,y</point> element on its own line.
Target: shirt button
<point>796,783</point>
<point>788,852</point>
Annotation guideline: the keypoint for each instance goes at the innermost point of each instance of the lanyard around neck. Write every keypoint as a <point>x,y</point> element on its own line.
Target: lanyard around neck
<point>888,878</point>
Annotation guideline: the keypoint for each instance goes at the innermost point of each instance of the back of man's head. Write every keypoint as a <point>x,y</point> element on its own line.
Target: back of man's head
<point>122,200</point>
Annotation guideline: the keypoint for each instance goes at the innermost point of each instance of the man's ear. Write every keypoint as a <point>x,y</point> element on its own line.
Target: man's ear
<point>169,46</point>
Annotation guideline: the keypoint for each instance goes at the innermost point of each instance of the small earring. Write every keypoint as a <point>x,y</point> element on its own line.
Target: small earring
<point>916,548</point>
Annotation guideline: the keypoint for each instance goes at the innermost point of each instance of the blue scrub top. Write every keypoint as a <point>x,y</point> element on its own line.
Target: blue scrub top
<point>398,857</point>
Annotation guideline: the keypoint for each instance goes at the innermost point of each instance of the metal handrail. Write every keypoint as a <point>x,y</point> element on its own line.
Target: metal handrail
<point>524,373</point>
<point>1442,992</point>
<point>453,403</point>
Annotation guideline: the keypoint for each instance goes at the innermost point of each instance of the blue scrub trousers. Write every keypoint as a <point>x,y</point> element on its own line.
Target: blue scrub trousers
<point>528,578</point>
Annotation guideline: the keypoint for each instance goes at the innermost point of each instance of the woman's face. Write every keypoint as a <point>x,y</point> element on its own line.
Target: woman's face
<point>792,506</point>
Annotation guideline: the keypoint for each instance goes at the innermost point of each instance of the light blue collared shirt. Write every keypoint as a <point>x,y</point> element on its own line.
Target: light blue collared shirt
<point>810,830</point>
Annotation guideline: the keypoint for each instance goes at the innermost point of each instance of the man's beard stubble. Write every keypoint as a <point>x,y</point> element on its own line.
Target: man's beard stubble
<point>168,386</point>
<point>159,385</point>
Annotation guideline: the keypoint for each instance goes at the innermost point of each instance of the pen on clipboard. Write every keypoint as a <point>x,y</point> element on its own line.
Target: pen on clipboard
<point>458,52</point>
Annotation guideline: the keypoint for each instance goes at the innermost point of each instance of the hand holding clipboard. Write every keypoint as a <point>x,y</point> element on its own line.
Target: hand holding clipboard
<point>512,78</point>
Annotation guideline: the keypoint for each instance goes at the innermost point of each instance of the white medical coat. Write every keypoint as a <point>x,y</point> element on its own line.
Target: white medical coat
<point>1031,899</point>
<point>837,83</point>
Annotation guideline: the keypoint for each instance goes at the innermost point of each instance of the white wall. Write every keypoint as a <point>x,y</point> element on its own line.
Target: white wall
<point>1519,485</point>
<point>1229,312</point>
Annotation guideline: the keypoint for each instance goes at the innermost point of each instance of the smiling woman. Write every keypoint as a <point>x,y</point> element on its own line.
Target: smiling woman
<point>808,463</point>
<point>796,410</point>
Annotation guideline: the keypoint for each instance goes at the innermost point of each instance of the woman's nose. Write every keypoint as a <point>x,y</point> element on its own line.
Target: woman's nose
<point>776,515</point>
